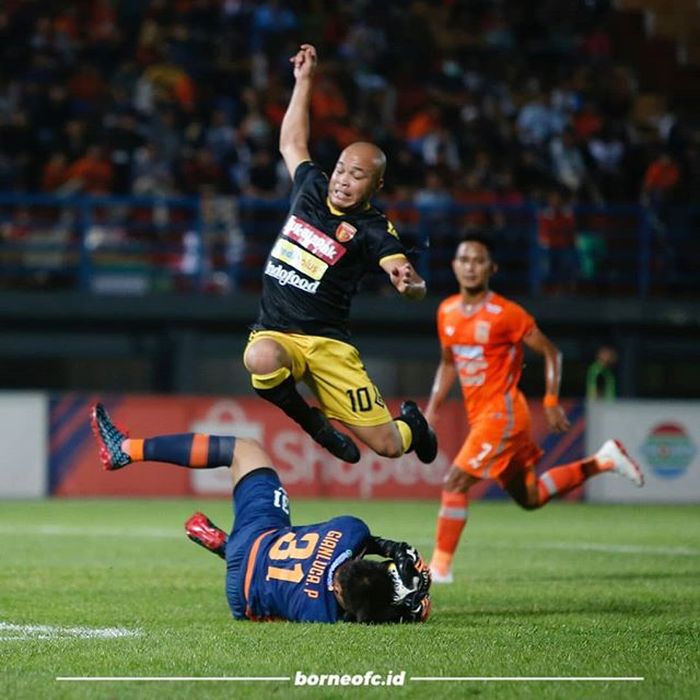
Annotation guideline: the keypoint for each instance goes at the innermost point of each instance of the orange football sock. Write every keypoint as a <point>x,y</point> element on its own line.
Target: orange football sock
<point>134,448</point>
<point>560,480</point>
<point>452,518</point>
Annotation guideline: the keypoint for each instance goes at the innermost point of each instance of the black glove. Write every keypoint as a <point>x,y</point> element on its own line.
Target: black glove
<point>414,572</point>
<point>415,607</point>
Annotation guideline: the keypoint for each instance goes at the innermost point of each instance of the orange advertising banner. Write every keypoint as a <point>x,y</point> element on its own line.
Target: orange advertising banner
<point>305,468</point>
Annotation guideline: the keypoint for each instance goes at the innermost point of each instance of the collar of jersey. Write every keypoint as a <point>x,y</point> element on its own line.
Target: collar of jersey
<point>337,212</point>
<point>478,306</point>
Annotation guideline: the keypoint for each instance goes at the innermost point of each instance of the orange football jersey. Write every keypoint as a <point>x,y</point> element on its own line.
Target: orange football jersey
<point>486,346</point>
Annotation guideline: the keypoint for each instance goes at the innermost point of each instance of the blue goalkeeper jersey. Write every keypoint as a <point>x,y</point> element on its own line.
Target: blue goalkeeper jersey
<point>290,570</point>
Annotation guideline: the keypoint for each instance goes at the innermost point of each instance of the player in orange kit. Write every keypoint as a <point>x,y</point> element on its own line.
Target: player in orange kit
<point>482,336</point>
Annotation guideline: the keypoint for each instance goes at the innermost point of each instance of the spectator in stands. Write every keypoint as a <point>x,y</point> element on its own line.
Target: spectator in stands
<point>660,179</point>
<point>568,165</point>
<point>152,174</point>
<point>92,174</point>
<point>600,377</point>
<point>607,149</point>
<point>55,172</point>
<point>537,122</point>
<point>556,237</point>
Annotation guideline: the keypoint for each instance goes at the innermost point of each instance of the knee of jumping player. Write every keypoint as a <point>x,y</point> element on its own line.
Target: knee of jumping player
<point>265,356</point>
<point>389,447</point>
<point>384,440</point>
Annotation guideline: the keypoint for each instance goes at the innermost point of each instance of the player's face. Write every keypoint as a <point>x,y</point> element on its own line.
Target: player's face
<point>354,179</point>
<point>473,266</point>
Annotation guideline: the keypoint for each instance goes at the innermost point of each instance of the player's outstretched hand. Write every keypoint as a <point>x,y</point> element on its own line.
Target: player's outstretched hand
<point>407,281</point>
<point>304,61</point>
<point>556,419</point>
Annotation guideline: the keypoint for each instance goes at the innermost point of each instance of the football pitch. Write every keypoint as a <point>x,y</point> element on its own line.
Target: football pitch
<point>113,589</point>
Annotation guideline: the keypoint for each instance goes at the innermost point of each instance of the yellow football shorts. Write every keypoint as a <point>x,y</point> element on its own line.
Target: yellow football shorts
<point>334,372</point>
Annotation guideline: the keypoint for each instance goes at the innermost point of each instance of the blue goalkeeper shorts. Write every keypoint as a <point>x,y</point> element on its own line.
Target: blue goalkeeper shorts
<point>260,503</point>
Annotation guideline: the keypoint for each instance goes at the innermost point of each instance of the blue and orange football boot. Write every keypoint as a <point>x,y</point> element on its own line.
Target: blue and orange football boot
<point>109,438</point>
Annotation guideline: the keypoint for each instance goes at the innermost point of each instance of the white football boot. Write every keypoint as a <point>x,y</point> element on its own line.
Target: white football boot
<point>613,457</point>
<point>441,575</point>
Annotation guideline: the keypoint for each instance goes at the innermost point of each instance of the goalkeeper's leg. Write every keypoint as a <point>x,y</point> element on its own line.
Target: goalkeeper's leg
<point>193,450</point>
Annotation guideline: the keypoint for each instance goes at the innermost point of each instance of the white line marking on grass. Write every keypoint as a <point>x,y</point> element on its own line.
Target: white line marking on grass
<point>525,679</point>
<point>10,632</point>
<point>171,679</point>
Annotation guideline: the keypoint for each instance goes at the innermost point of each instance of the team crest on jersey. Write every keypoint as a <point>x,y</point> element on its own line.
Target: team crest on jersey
<point>482,331</point>
<point>345,232</point>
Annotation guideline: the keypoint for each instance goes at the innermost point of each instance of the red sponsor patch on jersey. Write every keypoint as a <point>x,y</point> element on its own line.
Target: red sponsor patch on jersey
<point>313,240</point>
<point>345,232</point>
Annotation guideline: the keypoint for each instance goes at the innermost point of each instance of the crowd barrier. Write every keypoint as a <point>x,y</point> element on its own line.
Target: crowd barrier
<point>218,244</point>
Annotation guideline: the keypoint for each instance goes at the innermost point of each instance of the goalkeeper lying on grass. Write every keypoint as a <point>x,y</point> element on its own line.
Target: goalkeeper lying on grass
<point>306,573</point>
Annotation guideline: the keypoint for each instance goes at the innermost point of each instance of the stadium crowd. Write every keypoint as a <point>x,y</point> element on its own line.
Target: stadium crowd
<point>483,102</point>
<point>489,104</point>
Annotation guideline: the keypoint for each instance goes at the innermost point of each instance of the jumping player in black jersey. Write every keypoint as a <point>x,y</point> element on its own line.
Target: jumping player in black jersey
<point>331,238</point>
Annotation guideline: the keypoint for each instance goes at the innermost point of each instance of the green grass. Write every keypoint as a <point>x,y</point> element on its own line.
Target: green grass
<point>571,590</point>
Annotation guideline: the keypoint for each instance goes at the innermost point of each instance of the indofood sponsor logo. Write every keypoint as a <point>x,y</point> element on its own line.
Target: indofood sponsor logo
<point>289,277</point>
<point>669,450</point>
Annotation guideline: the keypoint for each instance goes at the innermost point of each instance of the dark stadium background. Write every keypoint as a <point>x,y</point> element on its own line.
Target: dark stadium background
<point>140,184</point>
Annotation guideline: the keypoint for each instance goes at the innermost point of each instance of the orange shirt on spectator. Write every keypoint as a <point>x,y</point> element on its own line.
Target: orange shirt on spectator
<point>556,228</point>
<point>93,172</point>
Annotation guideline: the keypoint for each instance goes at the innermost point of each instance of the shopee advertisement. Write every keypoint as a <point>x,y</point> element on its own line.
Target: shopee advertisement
<point>306,469</point>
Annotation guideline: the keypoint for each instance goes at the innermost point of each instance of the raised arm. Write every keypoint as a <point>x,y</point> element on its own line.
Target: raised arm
<point>294,132</point>
<point>445,376</point>
<point>404,277</point>
<point>538,341</point>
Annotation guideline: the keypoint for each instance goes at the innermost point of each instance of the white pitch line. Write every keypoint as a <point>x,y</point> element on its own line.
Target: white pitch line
<point>12,632</point>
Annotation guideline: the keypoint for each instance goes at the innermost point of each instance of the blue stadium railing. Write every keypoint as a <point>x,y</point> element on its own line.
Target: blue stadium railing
<point>138,245</point>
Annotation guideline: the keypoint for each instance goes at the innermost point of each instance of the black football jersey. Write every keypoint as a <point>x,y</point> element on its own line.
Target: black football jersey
<point>318,260</point>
